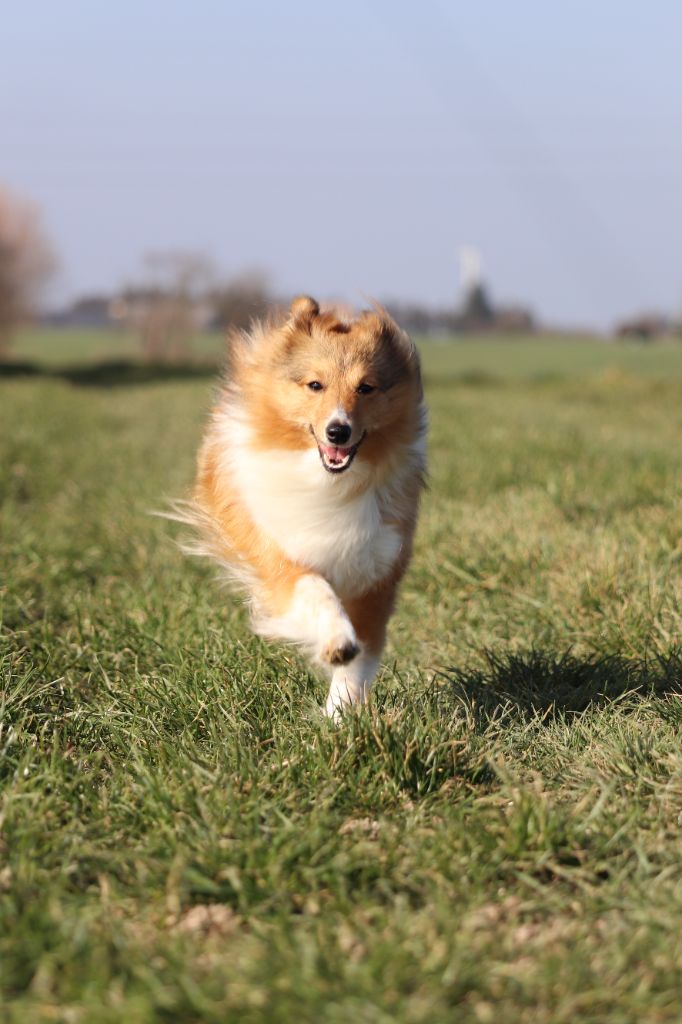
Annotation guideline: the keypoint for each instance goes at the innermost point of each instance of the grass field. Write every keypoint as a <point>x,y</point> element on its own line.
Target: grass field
<point>497,838</point>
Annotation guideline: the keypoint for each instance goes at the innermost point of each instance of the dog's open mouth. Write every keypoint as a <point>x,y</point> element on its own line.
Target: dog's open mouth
<point>336,459</point>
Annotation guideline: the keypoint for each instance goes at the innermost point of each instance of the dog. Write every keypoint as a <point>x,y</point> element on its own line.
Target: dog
<point>309,479</point>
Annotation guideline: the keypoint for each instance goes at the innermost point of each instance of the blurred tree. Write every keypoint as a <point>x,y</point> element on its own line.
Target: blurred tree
<point>171,306</point>
<point>241,300</point>
<point>644,327</point>
<point>26,262</point>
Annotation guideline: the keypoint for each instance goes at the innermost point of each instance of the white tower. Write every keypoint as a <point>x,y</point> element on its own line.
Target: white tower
<point>470,269</point>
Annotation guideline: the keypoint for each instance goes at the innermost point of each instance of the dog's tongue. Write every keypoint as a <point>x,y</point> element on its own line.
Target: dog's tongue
<point>333,454</point>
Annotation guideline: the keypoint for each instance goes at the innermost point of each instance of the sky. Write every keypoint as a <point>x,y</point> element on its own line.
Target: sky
<point>352,149</point>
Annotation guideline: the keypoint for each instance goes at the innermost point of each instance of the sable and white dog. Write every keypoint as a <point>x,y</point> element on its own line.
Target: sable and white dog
<point>309,480</point>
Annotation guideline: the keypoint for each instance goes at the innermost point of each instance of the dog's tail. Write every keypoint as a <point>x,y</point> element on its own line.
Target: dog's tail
<point>206,541</point>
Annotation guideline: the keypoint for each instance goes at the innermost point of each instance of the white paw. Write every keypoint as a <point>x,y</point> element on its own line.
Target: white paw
<point>337,703</point>
<point>351,684</point>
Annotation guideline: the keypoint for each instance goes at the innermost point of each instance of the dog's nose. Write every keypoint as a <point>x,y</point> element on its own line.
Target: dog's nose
<point>338,432</point>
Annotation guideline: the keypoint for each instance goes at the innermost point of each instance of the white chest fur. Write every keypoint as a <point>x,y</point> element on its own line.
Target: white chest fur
<point>314,516</point>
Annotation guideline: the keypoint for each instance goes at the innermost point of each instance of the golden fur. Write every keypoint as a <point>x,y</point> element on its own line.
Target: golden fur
<point>318,533</point>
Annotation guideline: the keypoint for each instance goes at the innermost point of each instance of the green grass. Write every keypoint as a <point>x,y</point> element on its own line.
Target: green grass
<point>498,838</point>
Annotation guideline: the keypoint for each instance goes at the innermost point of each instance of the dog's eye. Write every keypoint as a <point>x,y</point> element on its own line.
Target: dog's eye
<point>315,385</point>
<point>365,389</point>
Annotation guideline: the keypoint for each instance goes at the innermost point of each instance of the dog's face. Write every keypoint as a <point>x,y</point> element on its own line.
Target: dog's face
<point>350,388</point>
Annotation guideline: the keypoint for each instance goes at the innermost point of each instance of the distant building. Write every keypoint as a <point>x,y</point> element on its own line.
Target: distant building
<point>514,320</point>
<point>90,311</point>
<point>128,309</point>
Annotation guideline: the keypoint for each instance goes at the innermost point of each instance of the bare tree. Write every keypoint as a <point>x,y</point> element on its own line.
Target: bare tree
<point>26,261</point>
<point>171,306</point>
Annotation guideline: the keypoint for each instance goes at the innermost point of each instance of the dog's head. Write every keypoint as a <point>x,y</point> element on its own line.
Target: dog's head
<point>350,387</point>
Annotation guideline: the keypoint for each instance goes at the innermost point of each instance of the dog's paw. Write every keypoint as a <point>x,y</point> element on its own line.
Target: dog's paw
<point>340,651</point>
<point>340,648</point>
<point>343,694</point>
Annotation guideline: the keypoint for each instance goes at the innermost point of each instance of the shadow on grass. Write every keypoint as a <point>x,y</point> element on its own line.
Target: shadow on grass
<point>125,372</point>
<point>112,372</point>
<point>551,683</point>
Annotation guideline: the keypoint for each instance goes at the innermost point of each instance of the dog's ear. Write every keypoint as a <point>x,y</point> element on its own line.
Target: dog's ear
<point>299,323</point>
<point>400,356</point>
<point>382,325</point>
<point>303,308</point>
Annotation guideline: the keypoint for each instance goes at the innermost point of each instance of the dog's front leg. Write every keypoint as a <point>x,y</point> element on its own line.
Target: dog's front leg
<point>369,615</point>
<point>304,609</point>
<point>322,618</point>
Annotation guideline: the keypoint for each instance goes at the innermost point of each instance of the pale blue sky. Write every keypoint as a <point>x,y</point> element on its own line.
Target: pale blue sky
<point>352,148</point>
